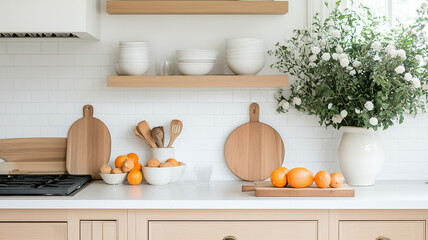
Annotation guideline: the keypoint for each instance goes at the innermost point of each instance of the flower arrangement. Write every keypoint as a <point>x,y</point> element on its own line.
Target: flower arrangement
<point>350,72</point>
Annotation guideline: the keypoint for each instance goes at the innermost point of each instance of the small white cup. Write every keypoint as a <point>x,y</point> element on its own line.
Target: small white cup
<point>163,154</point>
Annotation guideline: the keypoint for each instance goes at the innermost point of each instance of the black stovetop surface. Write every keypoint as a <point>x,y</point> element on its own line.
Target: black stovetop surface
<point>41,184</point>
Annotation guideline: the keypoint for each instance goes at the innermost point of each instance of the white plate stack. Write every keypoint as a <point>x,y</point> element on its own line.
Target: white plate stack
<point>195,62</point>
<point>133,58</point>
<point>245,56</point>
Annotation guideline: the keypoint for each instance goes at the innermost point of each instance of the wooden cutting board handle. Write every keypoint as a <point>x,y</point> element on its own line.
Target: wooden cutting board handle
<point>88,111</point>
<point>254,112</point>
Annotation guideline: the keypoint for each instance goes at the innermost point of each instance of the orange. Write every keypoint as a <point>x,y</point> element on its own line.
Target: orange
<point>135,177</point>
<point>336,179</point>
<point>120,160</point>
<point>133,157</point>
<point>322,179</point>
<point>279,177</point>
<point>137,166</point>
<point>173,162</point>
<point>300,178</point>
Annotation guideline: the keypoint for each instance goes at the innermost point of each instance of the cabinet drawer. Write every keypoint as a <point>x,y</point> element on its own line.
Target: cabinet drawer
<point>33,230</point>
<point>241,230</point>
<point>370,230</point>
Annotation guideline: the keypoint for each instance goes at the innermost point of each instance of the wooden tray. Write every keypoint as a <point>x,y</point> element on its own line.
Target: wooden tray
<point>265,189</point>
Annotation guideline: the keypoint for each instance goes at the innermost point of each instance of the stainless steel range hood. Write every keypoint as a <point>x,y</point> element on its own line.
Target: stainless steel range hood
<point>49,19</point>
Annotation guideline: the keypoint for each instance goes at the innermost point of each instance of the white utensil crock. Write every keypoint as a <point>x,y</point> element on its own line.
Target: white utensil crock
<point>361,155</point>
<point>163,154</point>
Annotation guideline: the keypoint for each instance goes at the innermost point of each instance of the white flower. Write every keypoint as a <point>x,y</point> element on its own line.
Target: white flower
<point>285,105</point>
<point>389,48</point>
<point>369,105</point>
<point>356,64</point>
<point>330,105</point>
<point>339,49</point>
<point>335,33</point>
<point>281,103</point>
<point>419,58</point>
<point>393,53</point>
<point>316,50</point>
<point>377,46</point>
<point>408,76</point>
<point>344,113</point>
<point>326,56</point>
<point>337,118</point>
<point>344,62</point>
<point>313,58</point>
<point>402,54</point>
<point>400,69</point>
<point>330,22</point>
<point>343,56</point>
<point>357,111</point>
<point>297,101</point>
<point>360,71</point>
<point>335,56</point>
<point>347,28</point>
<point>425,87</point>
<point>349,68</point>
<point>416,82</point>
<point>323,42</point>
<point>352,73</point>
<point>373,121</point>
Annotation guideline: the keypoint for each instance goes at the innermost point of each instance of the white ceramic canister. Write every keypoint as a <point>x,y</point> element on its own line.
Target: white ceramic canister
<point>163,154</point>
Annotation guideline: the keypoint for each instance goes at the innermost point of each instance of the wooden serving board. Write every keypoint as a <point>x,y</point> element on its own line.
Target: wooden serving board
<point>265,189</point>
<point>254,149</point>
<point>88,145</point>
<point>33,155</point>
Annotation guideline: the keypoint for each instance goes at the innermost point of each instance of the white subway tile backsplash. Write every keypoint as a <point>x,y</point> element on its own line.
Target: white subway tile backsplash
<point>23,48</point>
<point>49,48</point>
<point>241,96</point>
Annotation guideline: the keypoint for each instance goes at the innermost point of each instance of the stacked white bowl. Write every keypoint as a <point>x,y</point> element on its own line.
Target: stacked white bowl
<point>245,56</point>
<point>133,58</point>
<point>195,62</point>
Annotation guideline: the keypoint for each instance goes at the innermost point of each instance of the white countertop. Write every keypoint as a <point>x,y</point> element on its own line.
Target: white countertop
<point>221,195</point>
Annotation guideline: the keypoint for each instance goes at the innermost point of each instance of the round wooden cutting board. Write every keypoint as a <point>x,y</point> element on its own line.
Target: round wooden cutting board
<point>88,145</point>
<point>254,149</point>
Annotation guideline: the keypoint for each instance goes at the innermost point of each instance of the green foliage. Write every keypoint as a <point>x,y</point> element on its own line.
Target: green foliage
<point>353,71</point>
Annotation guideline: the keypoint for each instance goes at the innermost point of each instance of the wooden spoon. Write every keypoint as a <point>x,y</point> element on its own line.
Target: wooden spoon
<point>157,134</point>
<point>144,128</point>
<point>138,134</point>
<point>175,130</point>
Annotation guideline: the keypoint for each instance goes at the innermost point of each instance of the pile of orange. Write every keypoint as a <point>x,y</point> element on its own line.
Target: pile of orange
<point>130,164</point>
<point>302,177</point>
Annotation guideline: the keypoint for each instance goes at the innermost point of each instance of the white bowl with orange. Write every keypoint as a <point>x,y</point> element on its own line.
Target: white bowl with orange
<point>157,173</point>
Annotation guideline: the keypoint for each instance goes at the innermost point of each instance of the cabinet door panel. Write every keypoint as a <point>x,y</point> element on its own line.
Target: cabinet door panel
<point>370,230</point>
<point>241,230</point>
<point>98,230</point>
<point>33,230</point>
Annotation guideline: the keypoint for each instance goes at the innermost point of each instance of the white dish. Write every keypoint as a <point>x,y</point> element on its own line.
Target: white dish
<point>134,68</point>
<point>199,54</point>
<point>246,66</point>
<point>113,179</point>
<point>195,68</point>
<point>208,60</point>
<point>158,175</point>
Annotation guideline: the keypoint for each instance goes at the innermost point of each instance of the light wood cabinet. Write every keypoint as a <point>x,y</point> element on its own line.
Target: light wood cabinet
<point>98,230</point>
<point>33,230</point>
<point>241,230</point>
<point>394,230</point>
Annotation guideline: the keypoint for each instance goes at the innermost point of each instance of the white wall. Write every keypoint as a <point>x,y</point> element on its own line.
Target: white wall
<point>45,83</point>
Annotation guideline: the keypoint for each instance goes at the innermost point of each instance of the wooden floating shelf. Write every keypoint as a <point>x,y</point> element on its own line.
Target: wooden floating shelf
<point>198,7</point>
<point>199,81</point>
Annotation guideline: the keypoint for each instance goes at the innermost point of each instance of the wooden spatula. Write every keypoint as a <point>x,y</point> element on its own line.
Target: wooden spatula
<point>157,134</point>
<point>144,128</point>
<point>175,130</point>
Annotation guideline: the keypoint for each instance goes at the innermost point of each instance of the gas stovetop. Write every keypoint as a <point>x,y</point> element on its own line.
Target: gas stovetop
<point>41,184</point>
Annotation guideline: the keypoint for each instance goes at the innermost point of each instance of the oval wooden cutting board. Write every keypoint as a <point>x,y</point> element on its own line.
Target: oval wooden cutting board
<point>88,145</point>
<point>254,149</point>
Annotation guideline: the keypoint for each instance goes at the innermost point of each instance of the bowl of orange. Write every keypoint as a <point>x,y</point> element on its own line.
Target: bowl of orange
<point>113,178</point>
<point>157,173</point>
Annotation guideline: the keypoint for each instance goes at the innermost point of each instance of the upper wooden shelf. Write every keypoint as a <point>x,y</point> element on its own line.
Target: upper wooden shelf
<point>197,7</point>
<point>199,81</point>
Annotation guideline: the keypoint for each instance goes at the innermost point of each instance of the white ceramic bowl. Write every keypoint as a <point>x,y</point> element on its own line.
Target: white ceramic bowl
<point>246,66</point>
<point>198,54</point>
<point>158,175</point>
<point>195,68</point>
<point>195,60</point>
<point>134,68</point>
<point>113,179</point>
<point>178,172</point>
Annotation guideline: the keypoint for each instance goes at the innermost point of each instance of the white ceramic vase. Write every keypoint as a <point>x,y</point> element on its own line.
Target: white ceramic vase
<point>361,155</point>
